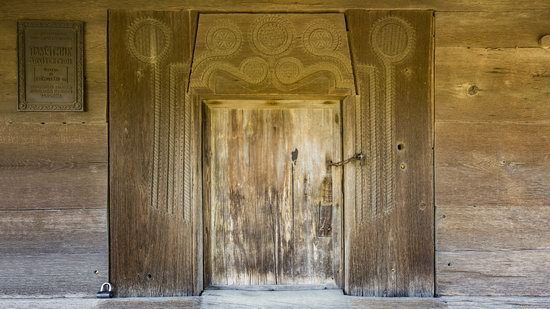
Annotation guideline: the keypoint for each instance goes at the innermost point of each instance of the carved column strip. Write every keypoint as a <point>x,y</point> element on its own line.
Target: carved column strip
<point>391,238</point>
<point>151,181</point>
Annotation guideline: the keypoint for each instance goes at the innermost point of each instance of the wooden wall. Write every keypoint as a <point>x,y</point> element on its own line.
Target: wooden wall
<point>492,153</point>
<point>492,134</point>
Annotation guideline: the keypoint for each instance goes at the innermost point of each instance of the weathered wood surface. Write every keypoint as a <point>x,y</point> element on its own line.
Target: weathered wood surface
<point>152,238</point>
<point>492,198</point>
<point>491,29</point>
<point>496,302</point>
<point>492,164</point>
<point>492,85</point>
<point>389,223</point>
<point>493,228</point>
<point>493,272</point>
<point>266,163</point>
<point>53,166</point>
<point>280,299</point>
<point>493,250</point>
<point>51,6</point>
<point>53,252</point>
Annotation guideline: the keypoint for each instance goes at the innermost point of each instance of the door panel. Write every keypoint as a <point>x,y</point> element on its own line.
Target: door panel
<point>271,192</point>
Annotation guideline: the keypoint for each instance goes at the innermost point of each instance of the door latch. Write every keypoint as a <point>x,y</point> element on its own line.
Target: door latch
<point>356,157</point>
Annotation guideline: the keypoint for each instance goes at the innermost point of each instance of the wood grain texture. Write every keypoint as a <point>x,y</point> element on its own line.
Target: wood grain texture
<point>492,250</point>
<point>53,166</point>
<point>491,29</point>
<point>281,299</point>
<point>51,7</point>
<point>495,302</point>
<point>268,181</point>
<point>493,273</point>
<point>152,240</point>
<point>487,228</point>
<point>391,247</point>
<point>492,164</point>
<point>492,85</point>
<point>53,252</point>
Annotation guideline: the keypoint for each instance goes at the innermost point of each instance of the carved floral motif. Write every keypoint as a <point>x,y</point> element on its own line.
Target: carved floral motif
<point>272,35</point>
<point>283,53</point>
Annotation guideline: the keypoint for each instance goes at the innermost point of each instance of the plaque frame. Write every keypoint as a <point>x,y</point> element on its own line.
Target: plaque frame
<point>50,105</point>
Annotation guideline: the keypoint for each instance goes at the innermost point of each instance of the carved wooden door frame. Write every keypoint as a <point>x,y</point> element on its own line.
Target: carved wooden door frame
<point>285,56</point>
<point>267,56</point>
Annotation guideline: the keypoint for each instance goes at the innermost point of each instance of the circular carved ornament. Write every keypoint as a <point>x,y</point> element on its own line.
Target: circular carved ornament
<point>272,35</point>
<point>392,38</point>
<point>288,70</point>
<point>320,37</point>
<point>255,68</point>
<point>149,39</point>
<point>224,38</point>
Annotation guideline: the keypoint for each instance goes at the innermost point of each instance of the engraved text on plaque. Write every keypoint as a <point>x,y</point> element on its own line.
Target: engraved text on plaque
<point>50,66</point>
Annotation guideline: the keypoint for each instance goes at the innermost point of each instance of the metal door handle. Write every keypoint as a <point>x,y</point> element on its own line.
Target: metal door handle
<point>356,157</point>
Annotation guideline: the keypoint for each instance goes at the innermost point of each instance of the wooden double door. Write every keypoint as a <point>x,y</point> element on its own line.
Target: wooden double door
<point>272,200</point>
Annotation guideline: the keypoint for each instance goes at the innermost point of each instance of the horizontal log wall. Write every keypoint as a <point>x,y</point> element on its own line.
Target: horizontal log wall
<point>53,171</point>
<point>492,164</point>
<point>492,153</point>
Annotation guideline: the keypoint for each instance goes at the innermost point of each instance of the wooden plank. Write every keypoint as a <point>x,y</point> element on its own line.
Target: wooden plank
<point>391,218</point>
<point>495,302</point>
<point>502,164</point>
<point>53,166</point>
<point>310,299</point>
<point>275,299</point>
<point>488,228</point>
<point>13,7</point>
<point>46,185</point>
<point>55,252</point>
<point>492,84</point>
<point>268,181</point>
<point>55,143</point>
<point>493,273</point>
<point>491,29</point>
<point>152,238</point>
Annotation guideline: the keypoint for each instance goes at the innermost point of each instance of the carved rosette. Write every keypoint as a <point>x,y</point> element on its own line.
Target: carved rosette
<point>284,54</point>
<point>392,39</point>
<point>321,38</point>
<point>272,35</point>
<point>141,31</point>
<point>225,38</point>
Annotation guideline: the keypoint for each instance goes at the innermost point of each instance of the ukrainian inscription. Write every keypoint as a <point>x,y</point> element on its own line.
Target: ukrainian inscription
<point>50,66</point>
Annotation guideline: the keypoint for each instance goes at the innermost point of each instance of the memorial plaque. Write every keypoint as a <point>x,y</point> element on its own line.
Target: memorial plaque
<point>50,66</point>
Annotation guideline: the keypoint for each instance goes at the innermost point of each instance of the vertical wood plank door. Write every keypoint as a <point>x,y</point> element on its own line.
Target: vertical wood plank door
<point>273,204</point>
<point>151,228</point>
<point>389,200</point>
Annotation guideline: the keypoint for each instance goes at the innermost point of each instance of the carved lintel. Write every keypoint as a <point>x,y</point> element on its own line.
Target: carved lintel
<point>272,54</point>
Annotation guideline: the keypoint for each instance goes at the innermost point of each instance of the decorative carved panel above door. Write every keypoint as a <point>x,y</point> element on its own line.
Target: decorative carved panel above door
<point>272,54</point>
